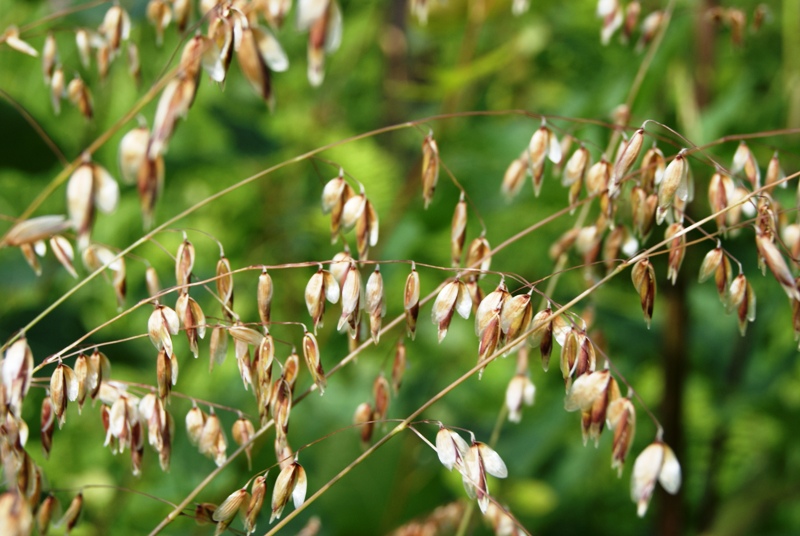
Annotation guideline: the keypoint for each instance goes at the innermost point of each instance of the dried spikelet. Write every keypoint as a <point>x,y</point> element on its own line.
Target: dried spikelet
<point>325,35</point>
<point>720,195</point>
<point>745,162</point>
<point>458,230</point>
<point>233,504</point>
<point>166,374</point>
<point>218,347</point>
<point>45,512</point>
<point>514,177</point>
<point>777,265</point>
<point>480,460</point>
<point>375,303</point>
<point>264,297</point>
<point>281,406</point>
<point>598,177</point>
<point>134,64</point>
<point>291,483</point>
<point>63,389</point>
<point>363,419</point>
<point>542,335</point>
<point>195,424</point>
<point>312,358</point>
<point>335,195</point>
<point>90,188</point>
<point>711,262</point>
<point>36,229</point>
<point>182,10</point>
<point>366,229</point>
<point>99,370</point>
<point>351,296</point>
<point>632,12</point>
<point>651,169</point>
<point>28,251</point>
<point>57,89</point>
<point>742,299</point>
<point>478,255</point>
<point>411,301</point>
<point>132,152</point>
<point>12,39</point>
<point>225,286</point>
<point>243,433</point>
<point>656,462</point>
<point>184,262</point>
<point>83,43</point>
<point>490,307</point>
<point>79,95</point>
<point>643,209</point>
<point>259,53</point>
<point>675,175</point>
<point>626,160</point>
<point>162,323</point>
<point>275,11</point>
<point>722,278</point>
<point>320,287</point>
<point>380,392</point>
<point>49,57</point>
<point>430,168</point>
<point>611,14</point>
<point>644,281</point>
<point>47,425</point>
<point>453,297</point>
<point>71,514</point>
<point>258,491</point>
<point>192,319</point>
<point>174,103</point>
<point>399,365</point>
<point>520,391</point>
<point>103,60</point>
<point>515,317</point>
<point>775,175</point>
<point>621,417</point>
<point>159,15</point>
<point>212,440</point>
<point>116,27</point>
<point>676,239</point>
<point>291,368</point>
<point>451,448</point>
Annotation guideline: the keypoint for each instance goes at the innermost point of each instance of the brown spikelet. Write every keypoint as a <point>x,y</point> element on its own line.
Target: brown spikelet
<point>258,490</point>
<point>398,366</point>
<point>364,419</point>
<point>47,425</point>
<point>184,262</point>
<point>375,304</point>
<point>675,176</point>
<point>225,286</point>
<point>598,177</point>
<point>677,249</point>
<point>621,417</point>
<point>380,391</point>
<point>312,358</point>
<point>741,299</point>
<point>458,230</point>
<point>626,160</point>
<point>430,168</point>
<point>411,301</point>
<point>478,256</point>
<point>542,335</point>
<point>514,176</point>
<point>79,95</point>
<point>243,432</point>
<point>644,281</point>
<point>264,297</point>
<point>453,297</point>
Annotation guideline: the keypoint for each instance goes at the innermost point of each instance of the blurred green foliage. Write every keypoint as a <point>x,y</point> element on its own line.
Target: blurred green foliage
<point>740,456</point>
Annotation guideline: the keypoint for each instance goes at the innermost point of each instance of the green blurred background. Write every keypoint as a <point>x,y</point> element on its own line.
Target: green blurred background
<point>729,404</point>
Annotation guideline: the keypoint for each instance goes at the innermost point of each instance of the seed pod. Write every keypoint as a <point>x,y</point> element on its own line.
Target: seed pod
<point>520,391</point>
<point>490,307</point>
<point>258,491</point>
<point>380,391</point>
<point>311,354</point>
<point>116,27</point>
<point>376,306</point>
<point>598,177</point>
<point>150,183</point>
<point>775,175</point>
<point>677,249</point>
<point>453,297</point>
<point>777,265</point>
<point>45,512</point>
<point>281,406</point>
<point>621,417</point>
<point>184,262</point>
<point>514,177</point>
<point>626,160</point>
<point>644,281</point>
<point>291,368</point>
<point>63,388</point>
<point>720,194</point>
<point>218,346</point>
<point>744,161</point>
<point>335,195</point>
<point>742,299</point>
<point>542,335</point>
<point>515,316</point>
<point>398,366</point>
<point>543,145</point>
<point>411,301</point>
<point>366,230</point>
<point>722,278</point>
<point>656,462</point>
<point>478,256</point>
<point>479,460</point>
<point>90,187</point>
<point>73,511</point>
<point>264,297</point>
<point>458,230</point>
<point>430,168</point>
<point>79,96</point>
<point>643,209</point>
<point>451,448</point>
<point>291,482</point>
<point>363,418</point>
<point>675,176</point>
<point>174,103</point>
<point>159,15</point>
<point>163,322</point>
<point>47,425</point>
<point>259,53</point>
<point>351,296</point>
<point>225,286</point>
<point>324,24</point>
<point>195,424</point>
<point>651,169</point>
<point>192,319</point>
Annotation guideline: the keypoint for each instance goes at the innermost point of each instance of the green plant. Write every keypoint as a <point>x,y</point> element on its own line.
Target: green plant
<point>233,209</point>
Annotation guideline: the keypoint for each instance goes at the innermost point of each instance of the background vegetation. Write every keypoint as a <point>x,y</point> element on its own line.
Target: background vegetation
<point>728,404</point>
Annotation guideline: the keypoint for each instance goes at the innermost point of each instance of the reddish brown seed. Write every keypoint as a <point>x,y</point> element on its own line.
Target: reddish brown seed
<point>644,281</point>
<point>363,418</point>
<point>398,366</point>
<point>458,230</point>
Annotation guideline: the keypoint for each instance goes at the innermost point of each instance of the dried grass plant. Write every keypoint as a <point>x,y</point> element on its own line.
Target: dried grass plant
<point>277,365</point>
